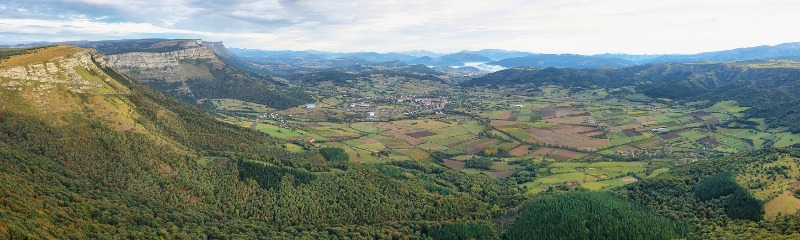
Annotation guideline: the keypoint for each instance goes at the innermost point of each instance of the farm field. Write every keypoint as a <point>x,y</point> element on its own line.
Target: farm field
<point>580,137</point>
<point>240,107</point>
<point>624,128</point>
<point>593,176</point>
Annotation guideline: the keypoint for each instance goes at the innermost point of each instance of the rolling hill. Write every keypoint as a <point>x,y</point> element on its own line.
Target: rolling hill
<point>767,87</point>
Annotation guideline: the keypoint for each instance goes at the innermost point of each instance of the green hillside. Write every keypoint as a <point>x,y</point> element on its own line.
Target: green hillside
<point>86,153</point>
<point>138,164</point>
<point>725,198</point>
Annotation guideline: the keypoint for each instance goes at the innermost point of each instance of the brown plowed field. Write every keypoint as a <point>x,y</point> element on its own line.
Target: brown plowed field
<point>519,151</point>
<point>543,151</point>
<point>455,165</point>
<point>421,134</point>
<point>503,174</point>
<point>567,129</point>
<point>506,115</point>
<point>563,155</point>
<point>567,140</point>
<point>479,147</point>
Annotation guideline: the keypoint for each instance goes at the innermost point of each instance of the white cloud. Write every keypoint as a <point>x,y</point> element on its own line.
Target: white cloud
<point>79,26</point>
<point>580,26</point>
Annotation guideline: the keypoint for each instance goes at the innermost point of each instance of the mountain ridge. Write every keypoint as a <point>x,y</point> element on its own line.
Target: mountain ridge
<point>510,58</point>
<point>562,61</point>
<point>196,71</point>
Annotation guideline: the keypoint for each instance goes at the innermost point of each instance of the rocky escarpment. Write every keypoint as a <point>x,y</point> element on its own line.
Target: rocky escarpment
<point>73,68</point>
<point>145,60</point>
<point>64,80</point>
<point>194,62</point>
<point>196,71</point>
<point>220,49</point>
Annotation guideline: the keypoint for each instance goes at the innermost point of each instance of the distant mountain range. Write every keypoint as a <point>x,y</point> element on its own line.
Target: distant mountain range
<point>510,59</point>
<point>786,50</point>
<point>562,61</point>
<point>455,59</point>
<point>498,57</point>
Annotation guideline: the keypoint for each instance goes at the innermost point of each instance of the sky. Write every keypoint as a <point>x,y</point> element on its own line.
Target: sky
<point>568,26</point>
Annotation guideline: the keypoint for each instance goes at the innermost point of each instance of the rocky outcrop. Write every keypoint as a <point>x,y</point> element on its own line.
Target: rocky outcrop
<point>62,70</point>
<point>219,49</point>
<point>64,80</point>
<point>158,60</point>
<point>191,62</point>
<point>196,71</point>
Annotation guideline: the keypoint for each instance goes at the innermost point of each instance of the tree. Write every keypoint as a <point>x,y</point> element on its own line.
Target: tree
<point>334,154</point>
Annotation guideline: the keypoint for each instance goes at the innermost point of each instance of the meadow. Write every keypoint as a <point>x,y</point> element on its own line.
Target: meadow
<point>588,139</point>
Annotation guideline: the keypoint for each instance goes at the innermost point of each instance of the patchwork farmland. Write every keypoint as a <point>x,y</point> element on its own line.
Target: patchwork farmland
<point>570,136</point>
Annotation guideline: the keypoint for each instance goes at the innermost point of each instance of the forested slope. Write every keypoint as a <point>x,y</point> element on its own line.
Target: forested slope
<point>724,198</point>
<point>134,163</point>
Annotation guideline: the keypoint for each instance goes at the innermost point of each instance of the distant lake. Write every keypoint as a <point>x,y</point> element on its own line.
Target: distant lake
<point>485,67</point>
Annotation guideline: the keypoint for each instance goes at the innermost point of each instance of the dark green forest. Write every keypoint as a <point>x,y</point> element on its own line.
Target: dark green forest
<point>592,215</point>
<point>334,154</point>
<point>739,203</point>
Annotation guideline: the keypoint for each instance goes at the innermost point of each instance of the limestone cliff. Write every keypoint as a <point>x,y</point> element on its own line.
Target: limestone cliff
<point>194,61</point>
<point>220,49</point>
<point>73,68</point>
<point>195,71</point>
<point>64,80</point>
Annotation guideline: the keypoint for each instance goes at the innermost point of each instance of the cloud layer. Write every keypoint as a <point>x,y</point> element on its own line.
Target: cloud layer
<point>577,26</point>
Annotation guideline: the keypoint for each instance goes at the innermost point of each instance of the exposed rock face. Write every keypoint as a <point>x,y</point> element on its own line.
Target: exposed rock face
<point>195,71</point>
<point>62,70</point>
<point>171,67</point>
<point>219,48</point>
<point>47,72</point>
<point>67,79</point>
<point>146,60</point>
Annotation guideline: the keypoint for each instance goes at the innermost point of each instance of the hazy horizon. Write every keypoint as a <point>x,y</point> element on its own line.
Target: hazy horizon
<point>388,52</point>
<point>576,27</point>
